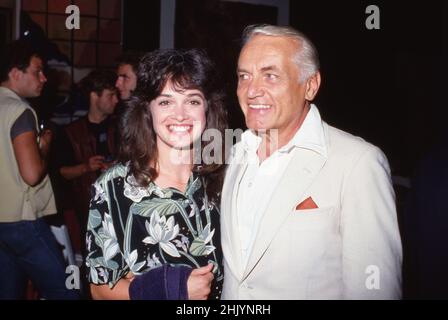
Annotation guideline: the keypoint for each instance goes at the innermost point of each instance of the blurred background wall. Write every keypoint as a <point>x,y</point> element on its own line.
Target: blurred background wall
<point>385,85</point>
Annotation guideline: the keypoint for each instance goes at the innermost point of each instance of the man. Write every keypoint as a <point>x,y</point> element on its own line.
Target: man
<point>28,249</point>
<point>88,147</point>
<point>125,84</point>
<point>127,74</point>
<point>308,210</point>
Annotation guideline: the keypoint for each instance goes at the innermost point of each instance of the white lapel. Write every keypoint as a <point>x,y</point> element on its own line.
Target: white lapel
<point>298,176</point>
<point>229,220</point>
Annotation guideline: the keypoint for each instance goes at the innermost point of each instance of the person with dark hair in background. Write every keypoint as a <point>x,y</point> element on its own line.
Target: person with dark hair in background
<point>127,74</point>
<point>126,83</point>
<point>28,249</point>
<point>308,211</point>
<point>153,230</point>
<point>87,145</point>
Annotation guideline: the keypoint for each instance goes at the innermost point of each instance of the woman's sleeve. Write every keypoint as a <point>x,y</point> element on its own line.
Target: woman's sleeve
<point>104,259</point>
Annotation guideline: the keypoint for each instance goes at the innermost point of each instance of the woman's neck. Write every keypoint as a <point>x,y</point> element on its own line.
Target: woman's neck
<point>173,167</point>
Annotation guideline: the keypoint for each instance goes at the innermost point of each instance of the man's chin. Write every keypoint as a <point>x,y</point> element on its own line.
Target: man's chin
<point>257,126</point>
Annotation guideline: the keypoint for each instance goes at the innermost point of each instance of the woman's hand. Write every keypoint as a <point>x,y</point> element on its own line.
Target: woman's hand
<point>199,283</point>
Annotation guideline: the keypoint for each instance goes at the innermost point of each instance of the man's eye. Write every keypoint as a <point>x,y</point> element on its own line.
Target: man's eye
<point>243,76</point>
<point>272,76</point>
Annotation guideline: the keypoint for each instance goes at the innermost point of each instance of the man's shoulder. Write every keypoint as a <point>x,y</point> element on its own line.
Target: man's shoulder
<point>77,122</point>
<point>11,102</point>
<point>347,147</point>
<point>11,107</point>
<point>76,127</point>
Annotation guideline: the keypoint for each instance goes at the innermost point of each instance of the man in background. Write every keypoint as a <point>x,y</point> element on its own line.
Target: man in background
<point>127,74</point>
<point>28,249</point>
<point>87,145</point>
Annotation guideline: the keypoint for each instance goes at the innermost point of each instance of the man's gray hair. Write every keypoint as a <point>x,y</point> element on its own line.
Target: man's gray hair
<point>306,58</point>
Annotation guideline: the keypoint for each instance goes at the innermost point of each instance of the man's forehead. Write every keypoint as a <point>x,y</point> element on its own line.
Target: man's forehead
<point>262,47</point>
<point>267,58</point>
<point>36,61</point>
<point>125,68</point>
<point>108,91</point>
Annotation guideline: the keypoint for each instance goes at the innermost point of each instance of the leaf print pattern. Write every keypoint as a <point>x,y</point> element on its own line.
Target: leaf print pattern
<point>199,246</point>
<point>162,232</point>
<point>136,229</point>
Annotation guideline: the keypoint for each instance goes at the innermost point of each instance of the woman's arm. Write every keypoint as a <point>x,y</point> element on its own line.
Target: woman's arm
<point>119,292</point>
<point>198,285</point>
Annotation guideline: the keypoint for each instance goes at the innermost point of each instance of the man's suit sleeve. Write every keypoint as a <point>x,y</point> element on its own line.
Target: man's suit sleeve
<point>371,245</point>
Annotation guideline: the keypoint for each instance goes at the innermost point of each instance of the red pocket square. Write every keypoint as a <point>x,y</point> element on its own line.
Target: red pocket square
<point>308,203</point>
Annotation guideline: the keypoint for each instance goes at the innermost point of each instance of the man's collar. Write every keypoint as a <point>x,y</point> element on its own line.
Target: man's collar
<point>10,93</point>
<point>310,136</point>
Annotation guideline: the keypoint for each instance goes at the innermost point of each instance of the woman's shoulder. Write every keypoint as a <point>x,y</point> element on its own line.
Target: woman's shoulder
<point>115,172</point>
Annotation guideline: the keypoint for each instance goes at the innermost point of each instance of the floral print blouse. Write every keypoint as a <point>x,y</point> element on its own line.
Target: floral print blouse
<point>131,228</point>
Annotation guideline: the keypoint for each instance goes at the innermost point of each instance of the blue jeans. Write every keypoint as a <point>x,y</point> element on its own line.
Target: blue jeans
<point>28,250</point>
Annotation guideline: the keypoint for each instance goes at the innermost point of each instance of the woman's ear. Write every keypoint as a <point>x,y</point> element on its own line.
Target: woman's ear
<point>312,86</point>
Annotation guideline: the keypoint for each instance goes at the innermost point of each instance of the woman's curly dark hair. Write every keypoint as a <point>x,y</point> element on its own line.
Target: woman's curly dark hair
<point>186,69</point>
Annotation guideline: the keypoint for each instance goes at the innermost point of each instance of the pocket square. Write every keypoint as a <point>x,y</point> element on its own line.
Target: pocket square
<point>308,203</point>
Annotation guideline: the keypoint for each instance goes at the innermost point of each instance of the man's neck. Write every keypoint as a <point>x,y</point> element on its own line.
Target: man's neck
<point>96,117</point>
<point>11,86</point>
<point>274,139</point>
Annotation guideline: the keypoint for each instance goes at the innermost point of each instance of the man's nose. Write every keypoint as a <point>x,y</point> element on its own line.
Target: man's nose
<point>43,78</point>
<point>255,89</point>
<point>118,83</point>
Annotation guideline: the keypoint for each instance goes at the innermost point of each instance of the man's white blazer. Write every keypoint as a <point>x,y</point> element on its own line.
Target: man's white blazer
<point>347,248</point>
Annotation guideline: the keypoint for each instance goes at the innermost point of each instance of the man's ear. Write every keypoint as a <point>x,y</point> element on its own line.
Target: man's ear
<point>15,74</point>
<point>312,86</point>
<point>93,96</point>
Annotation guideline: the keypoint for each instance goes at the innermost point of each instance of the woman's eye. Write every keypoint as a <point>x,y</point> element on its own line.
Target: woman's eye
<point>196,102</point>
<point>164,103</point>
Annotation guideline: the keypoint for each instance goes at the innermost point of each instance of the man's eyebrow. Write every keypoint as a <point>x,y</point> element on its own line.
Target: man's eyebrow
<point>165,95</point>
<point>238,70</point>
<point>264,69</point>
<point>124,75</point>
<point>269,68</point>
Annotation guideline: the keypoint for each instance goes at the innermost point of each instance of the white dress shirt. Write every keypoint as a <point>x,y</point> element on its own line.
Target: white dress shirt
<point>260,180</point>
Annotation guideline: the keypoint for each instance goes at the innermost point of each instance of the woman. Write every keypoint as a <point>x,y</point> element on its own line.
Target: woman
<point>153,230</point>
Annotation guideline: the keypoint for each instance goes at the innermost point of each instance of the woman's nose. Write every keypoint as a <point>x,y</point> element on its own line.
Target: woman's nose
<point>180,113</point>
